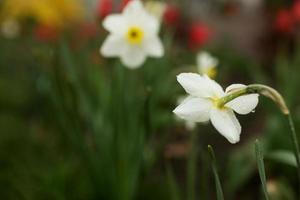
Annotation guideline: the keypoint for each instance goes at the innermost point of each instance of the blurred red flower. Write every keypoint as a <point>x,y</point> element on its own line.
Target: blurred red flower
<point>171,15</point>
<point>198,35</point>
<point>104,8</point>
<point>88,30</point>
<point>46,33</point>
<point>296,10</point>
<point>123,4</point>
<point>284,22</point>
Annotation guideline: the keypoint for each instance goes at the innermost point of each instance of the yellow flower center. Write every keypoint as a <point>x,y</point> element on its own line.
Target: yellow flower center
<point>211,72</point>
<point>216,103</point>
<point>135,35</point>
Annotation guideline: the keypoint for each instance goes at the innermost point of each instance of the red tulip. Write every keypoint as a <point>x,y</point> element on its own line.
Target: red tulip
<point>104,8</point>
<point>171,15</point>
<point>198,35</point>
<point>284,22</point>
<point>124,4</point>
<point>88,30</point>
<point>46,33</point>
<point>296,11</point>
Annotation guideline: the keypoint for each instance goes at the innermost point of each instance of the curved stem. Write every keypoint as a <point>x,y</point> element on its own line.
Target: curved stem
<point>256,89</point>
<point>278,99</point>
<point>295,144</point>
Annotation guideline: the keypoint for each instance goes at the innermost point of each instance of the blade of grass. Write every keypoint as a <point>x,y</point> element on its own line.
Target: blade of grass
<point>219,190</point>
<point>173,185</point>
<point>295,145</point>
<point>261,168</point>
<point>204,175</point>
<point>191,168</point>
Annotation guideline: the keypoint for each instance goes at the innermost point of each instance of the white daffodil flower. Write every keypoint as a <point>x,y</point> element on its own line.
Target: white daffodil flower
<point>207,64</point>
<point>133,35</point>
<point>202,104</point>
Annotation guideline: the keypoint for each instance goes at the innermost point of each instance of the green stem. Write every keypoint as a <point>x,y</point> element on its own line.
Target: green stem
<point>261,168</point>
<point>295,144</point>
<point>256,89</point>
<point>220,195</point>
<point>173,186</point>
<point>191,167</point>
<point>278,99</point>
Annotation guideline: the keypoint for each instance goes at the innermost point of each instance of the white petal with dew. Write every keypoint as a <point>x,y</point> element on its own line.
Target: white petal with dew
<point>194,109</point>
<point>225,121</point>
<point>244,104</point>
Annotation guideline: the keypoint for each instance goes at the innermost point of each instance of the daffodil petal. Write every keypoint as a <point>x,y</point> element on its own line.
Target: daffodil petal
<point>137,15</point>
<point>154,47</point>
<point>244,104</point>
<point>133,57</point>
<point>133,7</point>
<point>112,46</point>
<point>115,23</point>
<point>200,86</point>
<point>205,61</point>
<point>194,109</point>
<point>233,87</point>
<point>226,123</point>
<point>153,25</point>
<point>215,89</point>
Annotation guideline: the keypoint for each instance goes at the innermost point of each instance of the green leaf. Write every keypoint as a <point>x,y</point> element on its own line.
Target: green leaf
<point>261,168</point>
<point>192,168</point>
<point>173,185</point>
<point>282,156</point>
<point>219,190</point>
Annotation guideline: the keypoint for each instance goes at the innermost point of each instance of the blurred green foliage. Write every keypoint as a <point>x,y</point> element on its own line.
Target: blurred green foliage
<point>78,127</point>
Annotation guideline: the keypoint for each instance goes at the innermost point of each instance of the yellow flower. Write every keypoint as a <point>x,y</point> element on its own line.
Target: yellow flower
<point>55,13</point>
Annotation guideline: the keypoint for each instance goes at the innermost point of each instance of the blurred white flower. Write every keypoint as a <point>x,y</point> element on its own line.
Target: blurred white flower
<point>156,8</point>
<point>202,104</point>
<point>189,125</point>
<point>10,28</point>
<point>207,64</point>
<point>133,35</point>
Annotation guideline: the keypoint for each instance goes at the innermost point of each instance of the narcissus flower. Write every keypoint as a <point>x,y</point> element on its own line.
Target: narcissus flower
<point>133,35</point>
<point>207,65</point>
<point>204,104</point>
